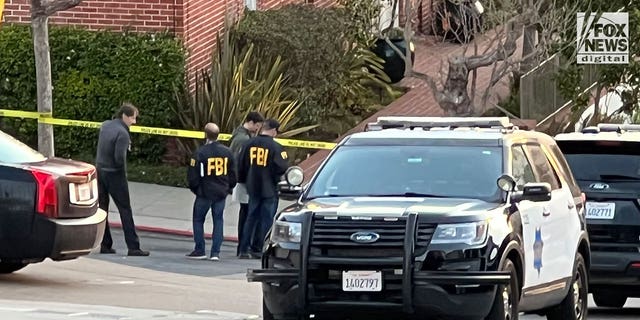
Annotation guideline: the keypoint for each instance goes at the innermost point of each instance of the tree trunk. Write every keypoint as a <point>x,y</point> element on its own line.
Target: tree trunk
<point>43,77</point>
<point>456,100</point>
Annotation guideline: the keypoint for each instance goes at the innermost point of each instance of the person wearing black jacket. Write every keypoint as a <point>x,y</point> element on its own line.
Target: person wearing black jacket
<point>211,176</point>
<point>263,161</point>
<point>242,134</point>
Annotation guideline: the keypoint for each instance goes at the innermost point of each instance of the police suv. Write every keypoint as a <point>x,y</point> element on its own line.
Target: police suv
<point>606,163</point>
<point>458,218</point>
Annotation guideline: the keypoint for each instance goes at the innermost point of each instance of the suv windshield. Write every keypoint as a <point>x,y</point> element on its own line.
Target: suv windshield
<point>14,151</point>
<point>436,171</point>
<point>602,160</point>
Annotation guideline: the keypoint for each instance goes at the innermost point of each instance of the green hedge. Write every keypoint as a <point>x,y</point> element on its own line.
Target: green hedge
<point>92,74</point>
<point>314,45</point>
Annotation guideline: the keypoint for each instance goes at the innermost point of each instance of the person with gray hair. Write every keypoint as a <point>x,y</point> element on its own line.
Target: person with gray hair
<point>211,176</point>
<point>111,163</point>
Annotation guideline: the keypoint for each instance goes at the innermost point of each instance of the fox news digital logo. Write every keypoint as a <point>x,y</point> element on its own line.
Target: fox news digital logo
<point>603,39</point>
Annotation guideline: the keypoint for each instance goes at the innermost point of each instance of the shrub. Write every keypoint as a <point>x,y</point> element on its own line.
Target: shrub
<point>235,84</point>
<point>327,63</point>
<point>93,72</point>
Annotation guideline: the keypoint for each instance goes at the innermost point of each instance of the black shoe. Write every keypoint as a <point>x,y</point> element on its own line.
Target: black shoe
<point>107,250</point>
<point>244,256</point>
<point>138,253</point>
<point>196,256</point>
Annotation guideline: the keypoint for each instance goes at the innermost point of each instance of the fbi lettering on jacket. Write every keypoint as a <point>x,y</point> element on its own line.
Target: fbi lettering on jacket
<point>259,155</point>
<point>217,166</point>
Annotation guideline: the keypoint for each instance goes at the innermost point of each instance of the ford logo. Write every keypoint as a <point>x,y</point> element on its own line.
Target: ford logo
<point>364,237</point>
<point>599,186</point>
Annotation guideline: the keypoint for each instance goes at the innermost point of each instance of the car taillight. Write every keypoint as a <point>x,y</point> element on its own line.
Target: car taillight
<point>47,199</point>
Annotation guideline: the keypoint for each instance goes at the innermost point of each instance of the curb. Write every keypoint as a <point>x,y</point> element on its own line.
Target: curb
<point>174,232</point>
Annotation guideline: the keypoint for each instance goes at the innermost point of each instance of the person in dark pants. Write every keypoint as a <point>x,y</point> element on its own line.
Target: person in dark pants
<point>242,134</point>
<point>111,162</point>
<point>211,176</point>
<point>263,161</point>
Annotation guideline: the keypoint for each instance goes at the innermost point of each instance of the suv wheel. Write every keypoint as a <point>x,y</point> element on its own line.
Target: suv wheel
<point>266,314</point>
<point>609,300</point>
<point>9,267</point>
<point>574,305</point>
<point>505,304</point>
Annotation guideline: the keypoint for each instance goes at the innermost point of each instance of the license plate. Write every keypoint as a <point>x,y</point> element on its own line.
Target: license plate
<point>600,210</point>
<point>83,192</point>
<point>361,281</point>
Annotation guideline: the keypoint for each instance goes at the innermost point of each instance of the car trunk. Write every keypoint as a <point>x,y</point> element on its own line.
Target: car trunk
<point>66,188</point>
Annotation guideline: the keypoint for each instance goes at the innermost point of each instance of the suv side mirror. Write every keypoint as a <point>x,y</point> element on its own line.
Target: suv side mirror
<point>535,191</point>
<point>506,183</point>
<point>290,188</point>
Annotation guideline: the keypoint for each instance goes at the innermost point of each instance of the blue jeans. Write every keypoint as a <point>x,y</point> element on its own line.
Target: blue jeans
<point>260,215</point>
<point>200,209</point>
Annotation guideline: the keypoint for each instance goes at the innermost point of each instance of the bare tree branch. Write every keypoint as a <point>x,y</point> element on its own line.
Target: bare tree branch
<point>454,93</point>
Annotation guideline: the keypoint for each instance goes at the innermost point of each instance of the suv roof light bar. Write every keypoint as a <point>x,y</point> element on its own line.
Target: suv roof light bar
<point>435,122</point>
<point>619,128</point>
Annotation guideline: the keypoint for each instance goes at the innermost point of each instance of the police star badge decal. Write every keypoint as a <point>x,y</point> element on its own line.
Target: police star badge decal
<point>537,250</point>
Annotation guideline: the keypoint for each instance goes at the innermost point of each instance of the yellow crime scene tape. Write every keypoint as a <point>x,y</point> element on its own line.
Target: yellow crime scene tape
<point>48,119</point>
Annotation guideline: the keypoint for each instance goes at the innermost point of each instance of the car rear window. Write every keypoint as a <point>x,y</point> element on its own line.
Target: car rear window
<point>602,160</point>
<point>14,151</point>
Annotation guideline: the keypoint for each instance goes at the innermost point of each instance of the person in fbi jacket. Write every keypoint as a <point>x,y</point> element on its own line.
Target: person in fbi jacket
<point>262,162</point>
<point>211,177</point>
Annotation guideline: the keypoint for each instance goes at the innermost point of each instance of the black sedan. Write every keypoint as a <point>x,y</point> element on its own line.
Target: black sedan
<point>48,207</point>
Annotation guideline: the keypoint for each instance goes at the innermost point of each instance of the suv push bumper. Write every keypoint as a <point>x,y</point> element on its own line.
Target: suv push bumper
<point>302,291</point>
<point>423,292</point>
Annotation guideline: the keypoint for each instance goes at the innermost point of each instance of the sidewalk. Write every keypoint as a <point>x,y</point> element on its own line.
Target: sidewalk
<point>168,210</point>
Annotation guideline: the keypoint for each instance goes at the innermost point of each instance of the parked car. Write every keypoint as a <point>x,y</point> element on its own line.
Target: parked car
<point>605,161</point>
<point>48,207</point>
<point>461,218</point>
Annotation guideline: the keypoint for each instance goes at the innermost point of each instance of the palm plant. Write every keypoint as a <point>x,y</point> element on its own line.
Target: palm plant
<point>236,83</point>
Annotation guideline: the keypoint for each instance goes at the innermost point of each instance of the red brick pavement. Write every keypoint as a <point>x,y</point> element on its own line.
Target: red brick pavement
<point>431,57</point>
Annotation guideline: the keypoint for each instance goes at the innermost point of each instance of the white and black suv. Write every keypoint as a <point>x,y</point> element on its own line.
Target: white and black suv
<point>606,163</point>
<point>458,218</point>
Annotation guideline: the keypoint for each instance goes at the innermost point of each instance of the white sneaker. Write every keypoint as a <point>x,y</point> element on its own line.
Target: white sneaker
<point>214,258</point>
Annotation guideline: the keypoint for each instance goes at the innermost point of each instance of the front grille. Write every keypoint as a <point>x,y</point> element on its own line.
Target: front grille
<point>331,239</point>
<point>614,234</point>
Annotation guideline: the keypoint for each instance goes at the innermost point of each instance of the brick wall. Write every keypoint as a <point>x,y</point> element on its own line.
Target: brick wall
<point>136,15</point>
<point>203,19</point>
<point>196,21</point>
<point>323,3</point>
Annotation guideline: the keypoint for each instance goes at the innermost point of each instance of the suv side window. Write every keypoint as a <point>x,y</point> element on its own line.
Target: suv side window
<point>520,167</point>
<point>563,166</point>
<point>542,166</point>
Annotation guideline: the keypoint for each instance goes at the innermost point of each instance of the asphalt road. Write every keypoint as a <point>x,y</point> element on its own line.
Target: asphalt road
<point>168,255</point>
<point>164,285</point>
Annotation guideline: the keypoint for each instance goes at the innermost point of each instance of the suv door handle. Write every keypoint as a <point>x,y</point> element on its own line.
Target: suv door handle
<point>546,212</point>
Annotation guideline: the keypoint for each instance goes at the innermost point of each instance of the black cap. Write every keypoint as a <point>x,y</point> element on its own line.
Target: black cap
<point>271,124</point>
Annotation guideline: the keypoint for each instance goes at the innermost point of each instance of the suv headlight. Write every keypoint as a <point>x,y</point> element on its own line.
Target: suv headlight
<point>284,231</point>
<point>466,233</point>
